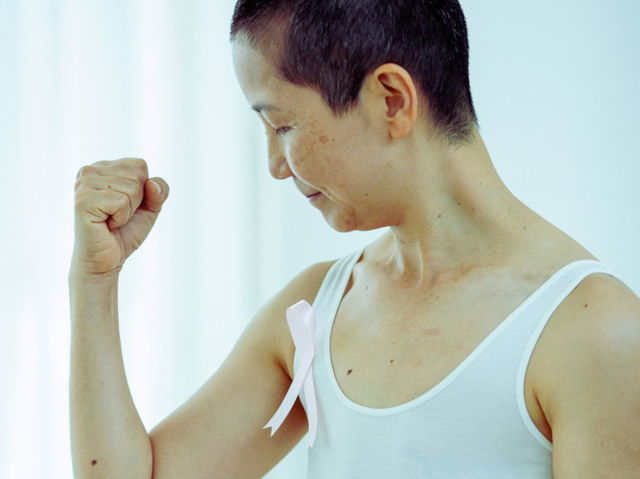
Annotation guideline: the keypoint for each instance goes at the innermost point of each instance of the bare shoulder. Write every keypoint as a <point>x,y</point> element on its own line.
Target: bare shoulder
<point>594,386</point>
<point>600,312</point>
<point>600,303</point>
<point>304,286</point>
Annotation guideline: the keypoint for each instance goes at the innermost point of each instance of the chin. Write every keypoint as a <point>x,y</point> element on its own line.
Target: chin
<point>340,224</point>
<point>342,228</point>
<point>343,224</point>
<point>345,227</point>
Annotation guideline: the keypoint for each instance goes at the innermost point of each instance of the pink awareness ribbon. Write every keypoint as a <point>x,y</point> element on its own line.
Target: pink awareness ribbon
<point>302,325</point>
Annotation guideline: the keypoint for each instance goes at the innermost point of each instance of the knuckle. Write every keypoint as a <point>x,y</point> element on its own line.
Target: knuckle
<point>86,170</point>
<point>142,165</point>
<point>136,162</point>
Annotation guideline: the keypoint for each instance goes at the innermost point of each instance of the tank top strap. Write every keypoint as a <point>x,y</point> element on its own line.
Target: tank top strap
<point>561,284</point>
<point>332,289</point>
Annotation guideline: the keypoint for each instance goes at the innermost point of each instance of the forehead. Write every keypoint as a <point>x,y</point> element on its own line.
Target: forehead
<point>255,72</point>
<point>259,80</point>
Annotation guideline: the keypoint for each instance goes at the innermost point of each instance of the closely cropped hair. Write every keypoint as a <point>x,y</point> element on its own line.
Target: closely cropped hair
<point>332,45</point>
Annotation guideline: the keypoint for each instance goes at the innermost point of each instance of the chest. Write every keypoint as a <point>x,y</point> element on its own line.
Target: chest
<point>388,348</point>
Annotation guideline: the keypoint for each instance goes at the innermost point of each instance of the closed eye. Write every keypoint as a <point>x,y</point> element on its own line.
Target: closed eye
<point>284,129</point>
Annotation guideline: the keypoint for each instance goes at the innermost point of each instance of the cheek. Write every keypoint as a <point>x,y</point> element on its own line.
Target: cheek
<point>312,158</point>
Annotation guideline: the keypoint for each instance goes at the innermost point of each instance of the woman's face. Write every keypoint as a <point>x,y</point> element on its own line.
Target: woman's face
<point>335,157</point>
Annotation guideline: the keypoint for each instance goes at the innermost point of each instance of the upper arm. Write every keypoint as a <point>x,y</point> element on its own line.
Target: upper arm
<point>596,395</point>
<point>218,432</point>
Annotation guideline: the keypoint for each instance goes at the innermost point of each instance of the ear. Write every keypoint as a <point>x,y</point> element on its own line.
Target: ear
<point>393,88</point>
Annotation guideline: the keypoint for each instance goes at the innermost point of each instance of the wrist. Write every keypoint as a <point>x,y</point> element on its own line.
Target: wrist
<point>83,279</point>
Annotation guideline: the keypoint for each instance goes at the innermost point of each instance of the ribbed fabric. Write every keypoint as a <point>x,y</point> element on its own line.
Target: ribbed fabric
<point>473,424</point>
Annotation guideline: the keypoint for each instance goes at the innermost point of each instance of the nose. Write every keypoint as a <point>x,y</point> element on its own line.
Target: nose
<point>278,165</point>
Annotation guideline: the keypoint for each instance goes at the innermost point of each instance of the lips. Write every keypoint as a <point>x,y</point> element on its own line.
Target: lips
<point>315,194</point>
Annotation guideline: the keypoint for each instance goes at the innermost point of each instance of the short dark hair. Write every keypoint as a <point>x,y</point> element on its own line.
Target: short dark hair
<point>332,45</point>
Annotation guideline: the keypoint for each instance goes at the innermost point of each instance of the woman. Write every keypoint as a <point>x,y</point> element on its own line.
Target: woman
<point>472,339</point>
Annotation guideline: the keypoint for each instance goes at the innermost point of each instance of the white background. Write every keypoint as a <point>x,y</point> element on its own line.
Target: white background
<point>554,84</point>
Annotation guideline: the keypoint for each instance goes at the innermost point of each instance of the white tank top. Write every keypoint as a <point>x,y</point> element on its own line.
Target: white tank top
<point>473,424</point>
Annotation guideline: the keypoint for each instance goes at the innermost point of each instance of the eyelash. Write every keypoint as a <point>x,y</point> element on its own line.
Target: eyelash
<point>279,131</point>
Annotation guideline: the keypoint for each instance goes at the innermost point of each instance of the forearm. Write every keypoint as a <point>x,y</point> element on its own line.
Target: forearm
<point>108,438</point>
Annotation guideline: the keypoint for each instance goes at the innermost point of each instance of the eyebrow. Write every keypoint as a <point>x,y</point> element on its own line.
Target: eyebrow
<point>260,107</point>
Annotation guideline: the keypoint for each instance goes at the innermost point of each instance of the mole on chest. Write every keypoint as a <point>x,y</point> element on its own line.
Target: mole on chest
<point>391,361</point>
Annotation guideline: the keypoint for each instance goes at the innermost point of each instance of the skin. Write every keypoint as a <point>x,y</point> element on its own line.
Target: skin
<point>384,165</point>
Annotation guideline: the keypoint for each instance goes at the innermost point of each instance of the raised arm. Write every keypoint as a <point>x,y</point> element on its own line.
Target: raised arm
<point>219,431</point>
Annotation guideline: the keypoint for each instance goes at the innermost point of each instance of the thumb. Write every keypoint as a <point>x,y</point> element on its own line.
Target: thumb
<point>156,192</point>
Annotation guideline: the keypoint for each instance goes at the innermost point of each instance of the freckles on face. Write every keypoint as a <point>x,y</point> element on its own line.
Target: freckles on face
<point>310,155</point>
<point>328,153</point>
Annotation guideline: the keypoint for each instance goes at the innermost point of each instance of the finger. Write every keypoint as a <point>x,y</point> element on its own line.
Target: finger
<point>136,165</point>
<point>126,186</point>
<point>123,214</point>
<point>87,170</point>
<point>127,167</point>
<point>154,199</point>
<point>104,206</point>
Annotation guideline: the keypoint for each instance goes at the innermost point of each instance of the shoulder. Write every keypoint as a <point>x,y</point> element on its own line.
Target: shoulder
<point>305,284</point>
<point>598,308</point>
<point>604,314</point>
<point>594,387</point>
<point>598,321</point>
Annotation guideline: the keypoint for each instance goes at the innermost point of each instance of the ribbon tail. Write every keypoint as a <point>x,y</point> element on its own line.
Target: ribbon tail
<point>289,399</point>
<point>312,408</point>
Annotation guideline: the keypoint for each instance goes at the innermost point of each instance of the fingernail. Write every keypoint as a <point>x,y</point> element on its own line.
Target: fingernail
<point>158,187</point>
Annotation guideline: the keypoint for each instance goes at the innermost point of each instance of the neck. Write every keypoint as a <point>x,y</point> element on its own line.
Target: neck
<point>465,219</point>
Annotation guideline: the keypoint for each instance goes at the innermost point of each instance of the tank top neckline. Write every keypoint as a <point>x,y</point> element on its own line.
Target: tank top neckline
<point>433,391</point>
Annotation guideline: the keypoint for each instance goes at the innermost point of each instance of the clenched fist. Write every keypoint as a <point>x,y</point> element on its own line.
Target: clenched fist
<point>116,205</point>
